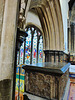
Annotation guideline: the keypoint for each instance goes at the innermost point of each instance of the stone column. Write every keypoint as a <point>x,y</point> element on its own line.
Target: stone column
<point>70,39</point>
<point>74,38</point>
<point>2,4</point>
<point>8,40</point>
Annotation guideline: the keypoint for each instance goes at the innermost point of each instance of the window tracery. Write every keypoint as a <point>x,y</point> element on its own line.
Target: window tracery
<point>33,47</point>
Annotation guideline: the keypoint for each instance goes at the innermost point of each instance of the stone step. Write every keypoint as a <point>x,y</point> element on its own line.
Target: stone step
<point>33,97</point>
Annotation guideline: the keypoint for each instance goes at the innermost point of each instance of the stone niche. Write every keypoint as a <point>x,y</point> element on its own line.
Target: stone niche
<point>46,80</point>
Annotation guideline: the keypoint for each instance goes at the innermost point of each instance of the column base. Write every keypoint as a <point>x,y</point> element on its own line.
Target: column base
<point>5,89</point>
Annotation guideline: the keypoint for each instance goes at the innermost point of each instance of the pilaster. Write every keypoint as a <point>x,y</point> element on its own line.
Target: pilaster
<point>8,40</point>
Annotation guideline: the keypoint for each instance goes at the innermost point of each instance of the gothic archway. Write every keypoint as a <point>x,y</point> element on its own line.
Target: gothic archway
<point>51,22</point>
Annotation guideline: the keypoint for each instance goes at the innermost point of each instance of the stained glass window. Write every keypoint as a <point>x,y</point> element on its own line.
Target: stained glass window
<point>28,47</point>
<point>34,46</point>
<point>21,53</point>
<point>17,57</point>
<point>40,50</point>
<point>34,51</point>
<point>31,50</point>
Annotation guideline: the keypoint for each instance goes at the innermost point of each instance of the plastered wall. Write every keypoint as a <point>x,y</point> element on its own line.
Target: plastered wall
<point>33,18</point>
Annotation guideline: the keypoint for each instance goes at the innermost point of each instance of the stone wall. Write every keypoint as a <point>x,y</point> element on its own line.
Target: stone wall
<point>7,53</point>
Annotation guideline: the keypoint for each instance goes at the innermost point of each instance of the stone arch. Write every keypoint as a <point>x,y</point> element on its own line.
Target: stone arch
<point>28,24</point>
<point>51,22</point>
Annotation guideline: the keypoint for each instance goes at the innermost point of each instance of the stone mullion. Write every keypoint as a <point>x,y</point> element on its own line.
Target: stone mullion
<point>37,46</point>
<point>42,24</point>
<point>32,34</point>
